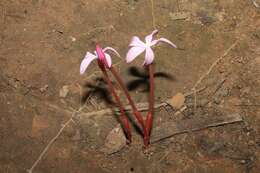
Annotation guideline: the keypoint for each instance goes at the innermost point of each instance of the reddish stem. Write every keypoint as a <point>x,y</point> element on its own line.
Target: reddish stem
<point>151,97</point>
<point>123,116</point>
<point>131,102</point>
<point>149,118</point>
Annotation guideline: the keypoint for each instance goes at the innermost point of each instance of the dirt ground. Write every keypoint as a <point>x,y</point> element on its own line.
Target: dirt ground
<point>43,42</point>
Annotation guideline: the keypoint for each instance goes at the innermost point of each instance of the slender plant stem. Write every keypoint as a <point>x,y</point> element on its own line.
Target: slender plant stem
<point>123,116</point>
<point>151,96</point>
<point>131,102</point>
<point>149,117</point>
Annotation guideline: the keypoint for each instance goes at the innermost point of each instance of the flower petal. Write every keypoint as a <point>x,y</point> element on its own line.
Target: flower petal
<point>149,38</point>
<point>112,49</point>
<point>89,57</point>
<point>166,41</point>
<point>136,42</point>
<point>149,56</point>
<point>108,60</point>
<point>133,53</point>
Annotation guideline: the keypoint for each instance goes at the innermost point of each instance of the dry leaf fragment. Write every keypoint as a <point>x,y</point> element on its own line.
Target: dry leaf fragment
<point>115,141</point>
<point>177,101</point>
<point>64,91</point>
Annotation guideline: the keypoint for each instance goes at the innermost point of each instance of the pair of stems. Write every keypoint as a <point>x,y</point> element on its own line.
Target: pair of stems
<point>145,125</point>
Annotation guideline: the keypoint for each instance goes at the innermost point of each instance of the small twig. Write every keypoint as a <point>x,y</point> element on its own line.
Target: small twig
<point>253,105</point>
<point>142,106</point>
<point>208,72</point>
<point>153,16</point>
<point>219,85</point>
<point>255,4</point>
<point>192,92</point>
<point>214,64</point>
<point>180,111</point>
<point>169,129</point>
<point>53,140</point>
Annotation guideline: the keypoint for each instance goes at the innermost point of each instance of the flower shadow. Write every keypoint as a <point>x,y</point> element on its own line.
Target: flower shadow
<point>99,89</point>
<point>142,78</point>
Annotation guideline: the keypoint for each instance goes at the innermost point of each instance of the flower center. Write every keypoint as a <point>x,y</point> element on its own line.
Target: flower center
<point>148,44</point>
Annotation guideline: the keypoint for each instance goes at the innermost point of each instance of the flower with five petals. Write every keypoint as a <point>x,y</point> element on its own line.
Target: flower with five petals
<point>138,47</point>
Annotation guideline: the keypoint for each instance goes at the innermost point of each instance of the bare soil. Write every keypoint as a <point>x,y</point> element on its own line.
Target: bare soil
<point>43,42</point>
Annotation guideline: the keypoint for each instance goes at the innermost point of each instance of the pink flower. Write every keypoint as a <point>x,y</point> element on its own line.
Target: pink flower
<point>138,47</point>
<point>99,54</point>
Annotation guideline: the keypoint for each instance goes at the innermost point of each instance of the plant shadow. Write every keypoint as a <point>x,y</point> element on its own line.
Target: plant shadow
<point>142,80</point>
<point>97,88</point>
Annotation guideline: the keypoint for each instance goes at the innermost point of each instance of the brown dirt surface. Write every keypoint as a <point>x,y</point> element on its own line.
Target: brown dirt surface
<point>43,42</point>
